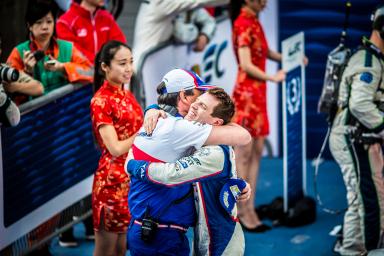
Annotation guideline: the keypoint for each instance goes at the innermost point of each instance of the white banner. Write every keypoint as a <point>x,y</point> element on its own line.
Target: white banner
<point>216,64</point>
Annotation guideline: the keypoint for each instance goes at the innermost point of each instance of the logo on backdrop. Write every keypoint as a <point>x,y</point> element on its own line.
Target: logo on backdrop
<point>211,62</point>
<point>294,95</point>
<point>294,49</point>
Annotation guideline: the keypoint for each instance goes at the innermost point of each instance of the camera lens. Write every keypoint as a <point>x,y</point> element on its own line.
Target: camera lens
<point>8,74</point>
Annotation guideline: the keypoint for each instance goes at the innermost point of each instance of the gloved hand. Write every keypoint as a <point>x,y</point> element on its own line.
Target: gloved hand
<point>229,194</point>
<point>381,134</point>
<point>138,168</point>
<point>371,138</point>
<point>185,33</point>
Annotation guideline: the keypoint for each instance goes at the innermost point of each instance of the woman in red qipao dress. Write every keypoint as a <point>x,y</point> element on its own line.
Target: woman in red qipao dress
<point>251,49</point>
<point>116,118</point>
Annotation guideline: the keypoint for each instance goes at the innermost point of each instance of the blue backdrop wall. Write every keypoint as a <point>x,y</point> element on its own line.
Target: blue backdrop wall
<point>322,23</point>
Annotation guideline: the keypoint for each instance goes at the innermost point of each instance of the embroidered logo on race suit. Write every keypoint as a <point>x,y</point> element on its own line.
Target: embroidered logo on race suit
<point>235,190</point>
<point>104,29</point>
<point>185,162</point>
<point>143,134</point>
<point>198,123</point>
<point>204,152</point>
<point>366,77</point>
<point>225,199</point>
<point>142,171</point>
<point>82,32</point>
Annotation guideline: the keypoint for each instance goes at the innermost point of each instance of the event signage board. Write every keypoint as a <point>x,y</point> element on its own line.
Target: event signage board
<point>294,126</point>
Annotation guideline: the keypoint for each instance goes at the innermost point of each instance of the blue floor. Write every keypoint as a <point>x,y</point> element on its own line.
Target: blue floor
<point>308,240</point>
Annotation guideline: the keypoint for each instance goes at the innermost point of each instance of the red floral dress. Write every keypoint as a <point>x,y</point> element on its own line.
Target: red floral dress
<point>250,93</point>
<point>118,107</point>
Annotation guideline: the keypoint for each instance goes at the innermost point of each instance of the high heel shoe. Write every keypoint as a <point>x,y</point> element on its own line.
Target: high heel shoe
<point>262,211</point>
<point>258,229</point>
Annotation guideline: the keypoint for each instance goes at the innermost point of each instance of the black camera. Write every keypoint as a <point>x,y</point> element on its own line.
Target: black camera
<point>39,54</point>
<point>8,74</point>
<point>148,229</point>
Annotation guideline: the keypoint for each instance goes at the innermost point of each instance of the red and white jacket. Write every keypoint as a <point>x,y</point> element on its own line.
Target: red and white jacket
<point>88,31</point>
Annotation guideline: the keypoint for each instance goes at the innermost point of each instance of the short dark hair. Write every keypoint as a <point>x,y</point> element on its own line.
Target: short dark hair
<point>378,20</point>
<point>37,9</point>
<point>226,108</point>
<point>169,99</point>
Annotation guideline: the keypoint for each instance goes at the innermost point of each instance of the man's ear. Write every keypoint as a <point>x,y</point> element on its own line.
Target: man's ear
<point>217,121</point>
<point>183,97</point>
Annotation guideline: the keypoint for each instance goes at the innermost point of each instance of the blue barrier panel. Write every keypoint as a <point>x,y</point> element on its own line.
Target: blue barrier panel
<point>51,150</point>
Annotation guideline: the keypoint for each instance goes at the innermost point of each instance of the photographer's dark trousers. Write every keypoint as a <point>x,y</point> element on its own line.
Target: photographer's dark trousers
<point>167,241</point>
<point>363,177</point>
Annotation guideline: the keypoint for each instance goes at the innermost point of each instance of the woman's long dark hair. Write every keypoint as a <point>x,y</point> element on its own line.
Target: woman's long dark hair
<point>234,8</point>
<point>105,55</point>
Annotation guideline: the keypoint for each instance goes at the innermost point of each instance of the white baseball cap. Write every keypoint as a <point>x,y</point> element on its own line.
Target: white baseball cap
<point>179,79</point>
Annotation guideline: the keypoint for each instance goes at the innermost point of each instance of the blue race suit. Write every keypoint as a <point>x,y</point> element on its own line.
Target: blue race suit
<point>216,231</point>
<point>171,139</point>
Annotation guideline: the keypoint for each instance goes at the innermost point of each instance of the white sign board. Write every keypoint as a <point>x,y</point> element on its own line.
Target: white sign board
<point>294,124</point>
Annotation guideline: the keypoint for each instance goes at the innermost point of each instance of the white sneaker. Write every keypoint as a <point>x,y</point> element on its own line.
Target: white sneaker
<point>90,237</point>
<point>337,247</point>
<point>67,241</point>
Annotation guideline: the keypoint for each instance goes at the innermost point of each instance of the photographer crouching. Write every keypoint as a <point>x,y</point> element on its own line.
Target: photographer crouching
<point>9,112</point>
<point>15,88</point>
<point>355,142</point>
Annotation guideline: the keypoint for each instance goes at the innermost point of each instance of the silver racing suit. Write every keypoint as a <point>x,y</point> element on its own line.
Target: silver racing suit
<point>355,143</point>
